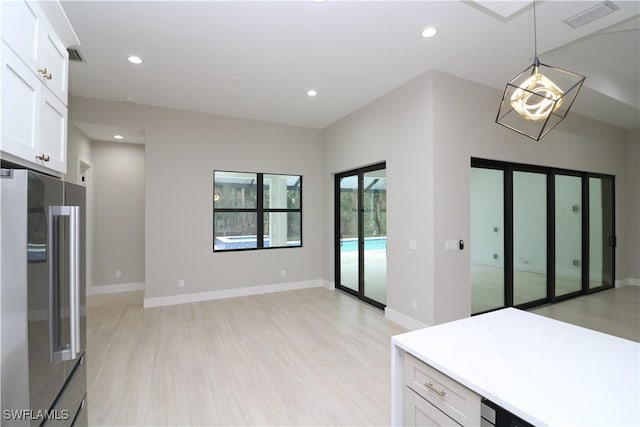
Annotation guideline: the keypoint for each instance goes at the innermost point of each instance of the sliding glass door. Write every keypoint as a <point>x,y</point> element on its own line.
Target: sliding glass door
<point>538,235</point>
<point>529,237</point>
<point>487,235</point>
<point>601,232</point>
<point>568,232</point>
<point>349,211</point>
<point>361,233</point>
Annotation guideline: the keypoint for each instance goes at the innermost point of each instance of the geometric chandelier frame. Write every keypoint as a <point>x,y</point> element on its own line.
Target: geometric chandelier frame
<point>537,99</point>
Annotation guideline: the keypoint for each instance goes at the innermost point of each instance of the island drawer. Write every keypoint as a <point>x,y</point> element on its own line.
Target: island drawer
<point>451,397</point>
<point>419,412</point>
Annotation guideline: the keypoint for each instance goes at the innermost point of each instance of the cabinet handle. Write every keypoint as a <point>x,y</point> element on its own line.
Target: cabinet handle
<point>46,74</point>
<point>43,157</point>
<point>431,387</point>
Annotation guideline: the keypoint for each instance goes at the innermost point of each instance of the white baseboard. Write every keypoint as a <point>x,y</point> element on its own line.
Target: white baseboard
<point>113,289</point>
<point>229,293</point>
<point>629,281</point>
<point>403,320</point>
<point>329,285</point>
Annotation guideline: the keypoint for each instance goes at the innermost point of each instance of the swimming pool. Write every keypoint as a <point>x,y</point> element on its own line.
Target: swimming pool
<point>370,243</point>
<point>245,242</point>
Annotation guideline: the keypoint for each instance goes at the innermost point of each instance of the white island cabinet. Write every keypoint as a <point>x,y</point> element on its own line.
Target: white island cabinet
<point>546,372</point>
<point>35,76</point>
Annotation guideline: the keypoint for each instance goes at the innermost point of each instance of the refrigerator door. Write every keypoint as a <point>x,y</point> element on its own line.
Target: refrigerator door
<point>75,199</point>
<point>46,299</point>
<point>43,311</point>
<point>15,364</point>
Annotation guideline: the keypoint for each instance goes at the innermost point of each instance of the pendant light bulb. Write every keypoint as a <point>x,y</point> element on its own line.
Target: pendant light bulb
<point>536,97</point>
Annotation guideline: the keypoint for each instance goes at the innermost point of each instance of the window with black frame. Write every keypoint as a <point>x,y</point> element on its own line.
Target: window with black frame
<point>256,211</point>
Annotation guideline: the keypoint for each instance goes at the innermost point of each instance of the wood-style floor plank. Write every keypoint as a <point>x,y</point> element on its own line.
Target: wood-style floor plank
<point>308,357</point>
<point>614,311</point>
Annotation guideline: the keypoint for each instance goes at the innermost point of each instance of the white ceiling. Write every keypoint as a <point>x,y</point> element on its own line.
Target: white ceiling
<point>351,52</point>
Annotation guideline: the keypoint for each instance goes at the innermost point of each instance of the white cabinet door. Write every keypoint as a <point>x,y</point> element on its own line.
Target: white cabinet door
<point>53,133</point>
<point>54,63</point>
<point>20,107</point>
<point>20,30</point>
<point>418,412</point>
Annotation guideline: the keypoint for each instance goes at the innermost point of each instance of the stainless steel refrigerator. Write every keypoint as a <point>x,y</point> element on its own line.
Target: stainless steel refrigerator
<point>42,300</point>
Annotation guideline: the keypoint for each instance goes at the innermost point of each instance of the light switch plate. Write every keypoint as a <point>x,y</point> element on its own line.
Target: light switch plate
<point>413,244</point>
<point>451,245</point>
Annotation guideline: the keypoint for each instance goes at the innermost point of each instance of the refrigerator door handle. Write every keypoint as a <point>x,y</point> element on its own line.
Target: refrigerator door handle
<point>71,351</point>
<point>74,280</point>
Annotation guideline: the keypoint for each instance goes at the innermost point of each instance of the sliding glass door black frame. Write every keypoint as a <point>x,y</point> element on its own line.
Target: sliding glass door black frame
<point>508,169</point>
<point>360,293</point>
<point>611,242</point>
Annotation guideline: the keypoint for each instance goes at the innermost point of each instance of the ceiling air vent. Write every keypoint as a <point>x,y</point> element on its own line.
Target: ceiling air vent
<point>74,55</point>
<point>591,14</point>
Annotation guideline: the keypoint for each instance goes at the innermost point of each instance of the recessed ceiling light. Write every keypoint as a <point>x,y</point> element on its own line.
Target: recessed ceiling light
<point>311,92</point>
<point>318,1</point>
<point>429,32</point>
<point>234,78</point>
<point>118,136</point>
<point>134,59</point>
<point>128,98</point>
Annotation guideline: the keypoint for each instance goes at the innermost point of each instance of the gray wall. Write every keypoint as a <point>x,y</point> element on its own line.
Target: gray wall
<point>181,151</point>
<point>118,213</point>
<point>396,128</point>
<point>78,148</point>
<point>633,196</point>
<point>428,130</point>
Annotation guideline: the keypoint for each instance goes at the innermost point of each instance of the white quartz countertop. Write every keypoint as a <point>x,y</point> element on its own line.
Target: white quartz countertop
<point>545,371</point>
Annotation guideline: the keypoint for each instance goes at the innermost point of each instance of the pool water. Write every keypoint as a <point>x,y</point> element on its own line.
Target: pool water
<point>370,243</point>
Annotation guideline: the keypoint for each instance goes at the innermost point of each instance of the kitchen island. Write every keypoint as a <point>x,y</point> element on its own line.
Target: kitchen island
<point>544,371</point>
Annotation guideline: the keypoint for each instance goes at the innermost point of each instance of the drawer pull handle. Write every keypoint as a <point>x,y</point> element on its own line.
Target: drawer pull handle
<point>431,387</point>
<point>46,74</point>
<point>43,157</point>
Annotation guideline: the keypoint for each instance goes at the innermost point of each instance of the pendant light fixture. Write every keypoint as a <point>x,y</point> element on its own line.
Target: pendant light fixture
<point>539,98</point>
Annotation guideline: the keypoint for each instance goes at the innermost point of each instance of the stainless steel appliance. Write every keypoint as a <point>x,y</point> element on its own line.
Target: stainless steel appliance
<point>42,300</point>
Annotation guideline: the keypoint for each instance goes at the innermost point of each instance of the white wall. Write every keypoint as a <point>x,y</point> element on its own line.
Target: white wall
<point>119,212</point>
<point>181,151</point>
<point>428,130</point>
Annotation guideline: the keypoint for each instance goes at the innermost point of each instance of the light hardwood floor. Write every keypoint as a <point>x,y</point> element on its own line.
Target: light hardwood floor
<point>614,311</point>
<point>308,357</point>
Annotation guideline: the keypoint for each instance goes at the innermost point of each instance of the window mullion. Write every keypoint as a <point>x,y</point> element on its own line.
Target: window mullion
<point>260,212</point>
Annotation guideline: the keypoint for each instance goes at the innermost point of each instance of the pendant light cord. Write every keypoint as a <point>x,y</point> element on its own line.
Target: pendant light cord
<point>535,35</point>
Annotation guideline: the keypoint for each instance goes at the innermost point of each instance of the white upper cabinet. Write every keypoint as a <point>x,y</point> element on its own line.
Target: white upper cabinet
<point>21,92</point>
<point>54,63</point>
<point>28,33</point>
<point>20,30</point>
<point>53,133</point>
<point>35,79</point>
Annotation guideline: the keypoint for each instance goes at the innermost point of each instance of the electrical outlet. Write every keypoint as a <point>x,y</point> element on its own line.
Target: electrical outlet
<point>414,303</point>
<point>118,274</point>
<point>283,272</point>
<point>181,283</point>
